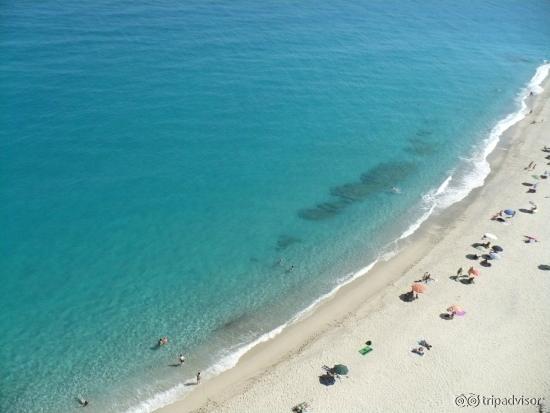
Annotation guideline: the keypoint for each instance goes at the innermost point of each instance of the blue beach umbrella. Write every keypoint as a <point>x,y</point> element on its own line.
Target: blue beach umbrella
<point>494,256</point>
<point>327,379</point>
<point>340,369</point>
<point>509,212</point>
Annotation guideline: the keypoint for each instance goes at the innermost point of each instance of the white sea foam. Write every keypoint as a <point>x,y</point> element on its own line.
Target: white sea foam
<point>477,167</point>
<point>440,198</point>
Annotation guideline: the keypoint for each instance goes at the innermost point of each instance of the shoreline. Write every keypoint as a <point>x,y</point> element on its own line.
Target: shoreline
<point>361,294</point>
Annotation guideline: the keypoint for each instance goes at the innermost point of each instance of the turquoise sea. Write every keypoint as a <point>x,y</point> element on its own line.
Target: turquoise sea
<point>207,170</point>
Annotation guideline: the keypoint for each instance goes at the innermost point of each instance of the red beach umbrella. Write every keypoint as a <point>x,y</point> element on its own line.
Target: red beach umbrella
<point>419,288</point>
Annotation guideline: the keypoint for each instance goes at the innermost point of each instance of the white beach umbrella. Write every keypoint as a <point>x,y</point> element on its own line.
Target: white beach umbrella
<point>489,235</point>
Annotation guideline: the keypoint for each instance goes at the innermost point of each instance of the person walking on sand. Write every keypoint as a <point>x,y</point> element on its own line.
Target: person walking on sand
<point>198,377</point>
<point>181,359</point>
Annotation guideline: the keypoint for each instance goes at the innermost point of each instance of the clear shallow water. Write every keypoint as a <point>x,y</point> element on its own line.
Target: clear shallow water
<point>163,166</point>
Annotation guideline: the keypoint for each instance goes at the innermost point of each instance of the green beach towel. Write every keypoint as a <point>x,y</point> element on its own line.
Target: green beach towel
<point>365,350</point>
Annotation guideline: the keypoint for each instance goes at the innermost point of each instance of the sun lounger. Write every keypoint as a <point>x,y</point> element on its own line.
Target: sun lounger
<point>365,350</point>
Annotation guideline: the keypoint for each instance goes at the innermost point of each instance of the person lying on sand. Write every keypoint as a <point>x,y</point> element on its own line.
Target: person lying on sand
<point>427,277</point>
<point>419,351</point>
<point>424,343</point>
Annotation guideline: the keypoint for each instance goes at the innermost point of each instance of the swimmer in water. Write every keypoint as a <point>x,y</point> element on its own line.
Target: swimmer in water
<point>395,190</point>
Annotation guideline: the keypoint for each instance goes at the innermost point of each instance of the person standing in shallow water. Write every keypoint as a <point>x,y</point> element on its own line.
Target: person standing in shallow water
<point>181,359</point>
<point>198,377</point>
<point>83,402</point>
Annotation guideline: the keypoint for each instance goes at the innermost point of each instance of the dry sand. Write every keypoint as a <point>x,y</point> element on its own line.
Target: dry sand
<point>498,349</point>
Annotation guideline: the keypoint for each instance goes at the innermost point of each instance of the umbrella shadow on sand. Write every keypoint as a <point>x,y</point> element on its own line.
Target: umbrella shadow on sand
<point>407,297</point>
<point>478,244</point>
<point>544,267</point>
<point>472,256</point>
<point>445,316</point>
<point>525,211</point>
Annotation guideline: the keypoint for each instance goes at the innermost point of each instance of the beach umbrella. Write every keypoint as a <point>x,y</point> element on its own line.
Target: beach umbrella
<point>489,235</point>
<point>497,248</point>
<point>327,379</point>
<point>494,256</point>
<point>340,369</point>
<point>458,310</point>
<point>509,212</point>
<point>473,271</point>
<point>419,288</point>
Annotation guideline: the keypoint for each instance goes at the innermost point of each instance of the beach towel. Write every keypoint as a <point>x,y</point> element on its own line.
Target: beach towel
<point>365,350</point>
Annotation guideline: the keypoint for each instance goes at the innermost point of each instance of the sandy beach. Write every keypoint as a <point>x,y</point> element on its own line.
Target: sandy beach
<point>493,358</point>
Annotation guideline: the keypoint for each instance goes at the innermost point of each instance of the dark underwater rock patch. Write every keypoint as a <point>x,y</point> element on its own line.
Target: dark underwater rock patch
<point>378,179</point>
<point>285,241</point>
<point>420,147</point>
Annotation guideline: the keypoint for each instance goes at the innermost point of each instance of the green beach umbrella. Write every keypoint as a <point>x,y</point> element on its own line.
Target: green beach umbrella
<point>340,369</point>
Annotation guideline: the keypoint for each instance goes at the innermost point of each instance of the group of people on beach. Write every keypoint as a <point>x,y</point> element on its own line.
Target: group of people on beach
<point>452,311</point>
<point>181,358</point>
